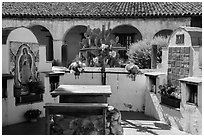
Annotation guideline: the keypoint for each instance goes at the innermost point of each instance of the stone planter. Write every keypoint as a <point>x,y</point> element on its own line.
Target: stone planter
<point>173,102</point>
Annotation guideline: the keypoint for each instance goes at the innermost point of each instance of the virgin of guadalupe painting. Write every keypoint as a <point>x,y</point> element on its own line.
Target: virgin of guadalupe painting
<point>25,66</point>
<point>24,58</point>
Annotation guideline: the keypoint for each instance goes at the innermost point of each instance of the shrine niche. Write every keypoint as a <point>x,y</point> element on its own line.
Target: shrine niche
<point>24,59</point>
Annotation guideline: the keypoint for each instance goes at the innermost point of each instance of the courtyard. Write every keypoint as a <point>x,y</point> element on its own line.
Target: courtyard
<point>82,69</point>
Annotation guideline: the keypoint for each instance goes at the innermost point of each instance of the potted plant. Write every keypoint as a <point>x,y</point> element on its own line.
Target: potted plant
<point>170,95</point>
<point>32,115</point>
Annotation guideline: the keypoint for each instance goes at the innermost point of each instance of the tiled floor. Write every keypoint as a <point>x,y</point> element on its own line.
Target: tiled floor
<point>133,123</point>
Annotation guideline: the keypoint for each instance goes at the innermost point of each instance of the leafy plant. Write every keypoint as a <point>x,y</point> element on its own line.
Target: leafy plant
<point>32,114</point>
<point>140,52</point>
<point>96,37</point>
<point>99,45</point>
<point>169,91</point>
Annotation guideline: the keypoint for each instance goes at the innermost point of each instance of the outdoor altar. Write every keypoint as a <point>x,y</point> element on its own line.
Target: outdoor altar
<point>82,110</point>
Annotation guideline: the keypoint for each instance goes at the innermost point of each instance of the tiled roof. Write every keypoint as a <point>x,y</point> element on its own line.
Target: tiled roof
<point>100,9</point>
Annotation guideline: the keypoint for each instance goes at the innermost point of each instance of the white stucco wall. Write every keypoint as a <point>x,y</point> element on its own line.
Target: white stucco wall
<point>58,28</point>
<point>5,59</point>
<point>12,114</point>
<point>43,64</point>
<point>188,118</point>
<point>124,90</point>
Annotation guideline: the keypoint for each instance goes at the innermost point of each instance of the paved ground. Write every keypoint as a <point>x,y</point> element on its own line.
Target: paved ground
<point>133,123</point>
<point>140,124</point>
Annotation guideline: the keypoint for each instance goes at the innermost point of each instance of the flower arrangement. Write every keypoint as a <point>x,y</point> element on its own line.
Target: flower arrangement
<point>76,67</point>
<point>106,56</point>
<point>32,114</point>
<point>170,91</point>
<point>133,70</point>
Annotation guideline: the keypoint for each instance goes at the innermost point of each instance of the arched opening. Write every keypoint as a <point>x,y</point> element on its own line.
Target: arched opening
<point>5,33</point>
<point>162,36</point>
<point>163,33</point>
<point>21,59</point>
<point>71,46</point>
<point>44,37</point>
<point>127,35</point>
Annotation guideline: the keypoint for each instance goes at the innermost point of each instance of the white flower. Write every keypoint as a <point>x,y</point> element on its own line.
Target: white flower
<point>95,60</point>
<point>103,46</point>
<point>112,53</point>
<point>110,47</point>
<point>72,71</point>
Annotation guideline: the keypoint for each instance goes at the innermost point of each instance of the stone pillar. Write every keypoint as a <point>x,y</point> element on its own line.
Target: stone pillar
<point>5,59</point>
<point>43,64</point>
<point>164,59</point>
<point>196,67</point>
<point>57,48</point>
<point>154,57</point>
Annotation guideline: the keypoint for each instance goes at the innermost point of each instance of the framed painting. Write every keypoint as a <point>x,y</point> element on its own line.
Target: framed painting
<point>24,60</point>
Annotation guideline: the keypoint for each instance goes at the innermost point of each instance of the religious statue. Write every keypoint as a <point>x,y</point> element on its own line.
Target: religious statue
<point>25,64</point>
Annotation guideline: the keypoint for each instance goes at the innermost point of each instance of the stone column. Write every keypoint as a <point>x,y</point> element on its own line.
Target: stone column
<point>5,59</point>
<point>164,59</point>
<point>44,65</point>
<point>57,48</point>
<point>154,57</point>
<point>197,71</point>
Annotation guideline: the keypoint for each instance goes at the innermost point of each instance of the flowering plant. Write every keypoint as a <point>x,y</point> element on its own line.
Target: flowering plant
<point>99,47</point>
<point>106,56</point>
<point>32,114</point>
<point>133,70</point>
<point>76,67</point>
<point>170,91</point>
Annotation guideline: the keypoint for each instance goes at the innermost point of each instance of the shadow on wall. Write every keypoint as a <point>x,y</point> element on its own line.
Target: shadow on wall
<point>162,126</point>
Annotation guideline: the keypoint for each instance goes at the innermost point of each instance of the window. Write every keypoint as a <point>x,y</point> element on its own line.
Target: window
<point>192,93</point>
<point>180,39</point>
<point>125,40</point>
<point>4,88</point>
<point>49,49</point>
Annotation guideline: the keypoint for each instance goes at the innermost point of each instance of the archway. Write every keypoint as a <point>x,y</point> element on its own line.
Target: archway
<point>71,46</point>
<point>127,35</point>
<point>162,36</point>
<point>163,33</point>
<point>44,37</point>
<point>21,59</point>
